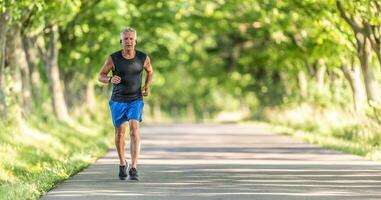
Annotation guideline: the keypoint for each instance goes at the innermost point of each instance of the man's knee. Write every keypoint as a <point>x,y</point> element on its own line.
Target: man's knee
<point>134,129</point>
<point>119,132</point>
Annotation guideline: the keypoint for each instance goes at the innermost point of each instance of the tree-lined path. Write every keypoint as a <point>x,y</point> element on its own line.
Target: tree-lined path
<point>313,66</point>
<point>227,162</point>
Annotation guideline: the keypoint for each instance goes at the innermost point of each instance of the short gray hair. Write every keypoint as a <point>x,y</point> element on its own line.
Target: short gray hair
<point>128,30</point>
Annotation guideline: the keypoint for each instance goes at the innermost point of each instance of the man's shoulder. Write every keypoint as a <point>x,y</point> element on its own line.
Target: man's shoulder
<point>141,55</point>
<point>140,52</point>
<point>116,53</point>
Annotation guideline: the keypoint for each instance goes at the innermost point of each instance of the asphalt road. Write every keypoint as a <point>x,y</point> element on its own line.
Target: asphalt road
<point>226,162</point>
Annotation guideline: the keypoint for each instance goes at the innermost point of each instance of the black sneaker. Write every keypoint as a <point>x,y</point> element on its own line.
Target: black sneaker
<point>123,171</point>
<point>133,174</point>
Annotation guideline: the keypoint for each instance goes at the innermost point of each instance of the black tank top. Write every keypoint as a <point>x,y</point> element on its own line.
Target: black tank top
<point>131,71</point>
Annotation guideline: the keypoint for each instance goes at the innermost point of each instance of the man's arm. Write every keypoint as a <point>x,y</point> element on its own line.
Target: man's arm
<point>148,68</point>
<point>107,67</point>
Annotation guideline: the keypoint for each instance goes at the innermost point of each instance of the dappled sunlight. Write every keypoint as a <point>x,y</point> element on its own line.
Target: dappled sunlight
<point>311,68</point>
<point>204,161</point>
<point>31,136</point>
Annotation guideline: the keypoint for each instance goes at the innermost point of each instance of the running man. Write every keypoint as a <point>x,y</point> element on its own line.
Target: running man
<point>126,103</point>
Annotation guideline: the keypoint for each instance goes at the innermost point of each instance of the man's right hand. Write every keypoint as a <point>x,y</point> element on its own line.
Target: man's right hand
<point>115,79</point>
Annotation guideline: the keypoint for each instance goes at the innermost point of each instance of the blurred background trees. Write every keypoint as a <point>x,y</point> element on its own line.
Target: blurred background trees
<point>310,65</point>
<point>209,56</point>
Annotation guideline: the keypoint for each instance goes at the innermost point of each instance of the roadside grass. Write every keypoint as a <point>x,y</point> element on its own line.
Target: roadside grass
<point>40,151</point>
<point>331,128</point>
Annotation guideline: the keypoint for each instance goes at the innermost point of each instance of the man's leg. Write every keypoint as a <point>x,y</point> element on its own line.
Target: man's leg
<point>134,142</point>
<point>119,143</point>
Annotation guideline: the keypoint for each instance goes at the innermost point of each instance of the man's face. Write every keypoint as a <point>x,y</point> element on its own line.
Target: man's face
<point>128,40</point>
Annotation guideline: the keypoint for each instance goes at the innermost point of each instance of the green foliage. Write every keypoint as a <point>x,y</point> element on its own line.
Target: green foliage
<point>208,57</point>
<point>199,47</point>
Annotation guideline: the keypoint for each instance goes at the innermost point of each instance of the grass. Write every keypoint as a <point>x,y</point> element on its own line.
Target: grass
<point>331,128</point>
<point>330,142</point>
<point>39,152</point>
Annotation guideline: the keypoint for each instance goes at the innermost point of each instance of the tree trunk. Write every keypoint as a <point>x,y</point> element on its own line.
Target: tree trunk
<point>3,32</point>
<point>311,67</point>
<point>378,53</point>
<point>15,85</point>
<point>364,51</point>
<point>320,74</point>
<point>31,58</point>
<point>205,112</point>
<point>174,112</point>
<point>90,95</point>
<point>374,34</point>
<point>358,93</point>
<point>19,71</point>
<point>376,45</point>
<point>302,80</point>
<point>190,113</point>
<point>147,112</point>
<point>233,54</point>
<point>55,85</point>
<point>365,55</point>
<point>21,63</point>
<point>157,111</point>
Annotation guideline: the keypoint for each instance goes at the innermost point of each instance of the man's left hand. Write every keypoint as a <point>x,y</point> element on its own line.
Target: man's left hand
<point>145,91</point>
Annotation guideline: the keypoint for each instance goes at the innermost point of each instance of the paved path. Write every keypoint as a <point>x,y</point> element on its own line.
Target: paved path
<point>181,162</point>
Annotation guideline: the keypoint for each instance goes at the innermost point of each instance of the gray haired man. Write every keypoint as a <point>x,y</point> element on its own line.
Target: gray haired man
<point>126,102</point>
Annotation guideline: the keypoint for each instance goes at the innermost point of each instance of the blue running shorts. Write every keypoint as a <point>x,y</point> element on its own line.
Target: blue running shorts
<point>122,112</point>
